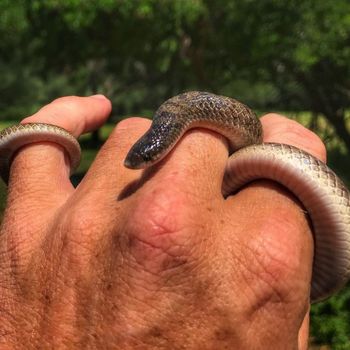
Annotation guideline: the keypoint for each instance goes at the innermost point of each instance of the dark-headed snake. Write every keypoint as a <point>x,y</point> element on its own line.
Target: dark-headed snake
<point>322,193</point>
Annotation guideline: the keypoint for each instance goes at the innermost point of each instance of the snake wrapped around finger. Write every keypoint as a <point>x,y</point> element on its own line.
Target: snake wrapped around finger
<point>322,193</point>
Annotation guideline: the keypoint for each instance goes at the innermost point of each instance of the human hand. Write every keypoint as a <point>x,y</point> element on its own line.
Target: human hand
<point>155,259</point>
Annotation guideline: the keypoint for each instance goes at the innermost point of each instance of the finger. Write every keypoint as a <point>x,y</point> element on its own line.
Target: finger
<point>107,170</point>
<point>77,115</point>
<point>40,171</point>
<point>197,160</point>
<point>303,339</point>
<point>280,129</point>
<point>275,222</point>
<point>161,201</point>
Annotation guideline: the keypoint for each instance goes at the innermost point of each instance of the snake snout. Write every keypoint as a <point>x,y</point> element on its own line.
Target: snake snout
<point>147,151</point>
<point>134,160</point>
<point>139,157</point>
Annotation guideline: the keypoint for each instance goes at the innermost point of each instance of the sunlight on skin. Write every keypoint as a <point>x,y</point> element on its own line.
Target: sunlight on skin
<point>129,255</point>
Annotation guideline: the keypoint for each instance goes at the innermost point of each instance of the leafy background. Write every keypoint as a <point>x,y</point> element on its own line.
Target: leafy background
<point>275,55</point>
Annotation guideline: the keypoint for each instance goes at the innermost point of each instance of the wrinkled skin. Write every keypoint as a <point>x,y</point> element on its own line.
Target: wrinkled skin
<point>155,259</point>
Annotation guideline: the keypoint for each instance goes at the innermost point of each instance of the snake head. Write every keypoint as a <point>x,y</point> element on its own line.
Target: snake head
<point>153,146</point>
<point>144,153</point>
<point>135,160</point>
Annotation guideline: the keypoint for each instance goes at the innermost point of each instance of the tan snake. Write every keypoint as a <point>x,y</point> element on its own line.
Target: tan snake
<point>322,193</point>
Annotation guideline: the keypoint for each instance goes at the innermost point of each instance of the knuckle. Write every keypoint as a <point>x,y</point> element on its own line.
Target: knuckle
<point>158,237</point>
<point>78,220</point>
<point>136,125</point>
<point>80,232</point>
<point>281,129</point>
<point>310,142</point>
<point>64,105</point>
<point>57,111</point>
<point>125,134</point>
<point>65,100</point>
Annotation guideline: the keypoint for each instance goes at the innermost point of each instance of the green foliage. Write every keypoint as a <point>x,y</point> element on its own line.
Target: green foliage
<point>331,321</point>
<point>271,54</point>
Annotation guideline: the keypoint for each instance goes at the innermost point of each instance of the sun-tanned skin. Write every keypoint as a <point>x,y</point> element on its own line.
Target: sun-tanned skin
<point>151,260</point>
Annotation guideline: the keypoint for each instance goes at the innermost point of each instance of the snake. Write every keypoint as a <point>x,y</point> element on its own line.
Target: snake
<point>323,195</point>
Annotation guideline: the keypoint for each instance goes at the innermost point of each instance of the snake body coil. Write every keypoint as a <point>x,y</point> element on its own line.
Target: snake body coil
<point>17,136</point>
<point>324,196</point>
<point>175,116</point>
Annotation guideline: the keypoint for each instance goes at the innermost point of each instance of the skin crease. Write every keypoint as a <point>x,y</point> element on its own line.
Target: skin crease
<point>155,259</point>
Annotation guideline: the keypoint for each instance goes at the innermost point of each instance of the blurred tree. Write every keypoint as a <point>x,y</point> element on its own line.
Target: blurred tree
<point>269,53</point>
<point>301,47</point>
<point>330,321</point>
<point>117,47</point>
